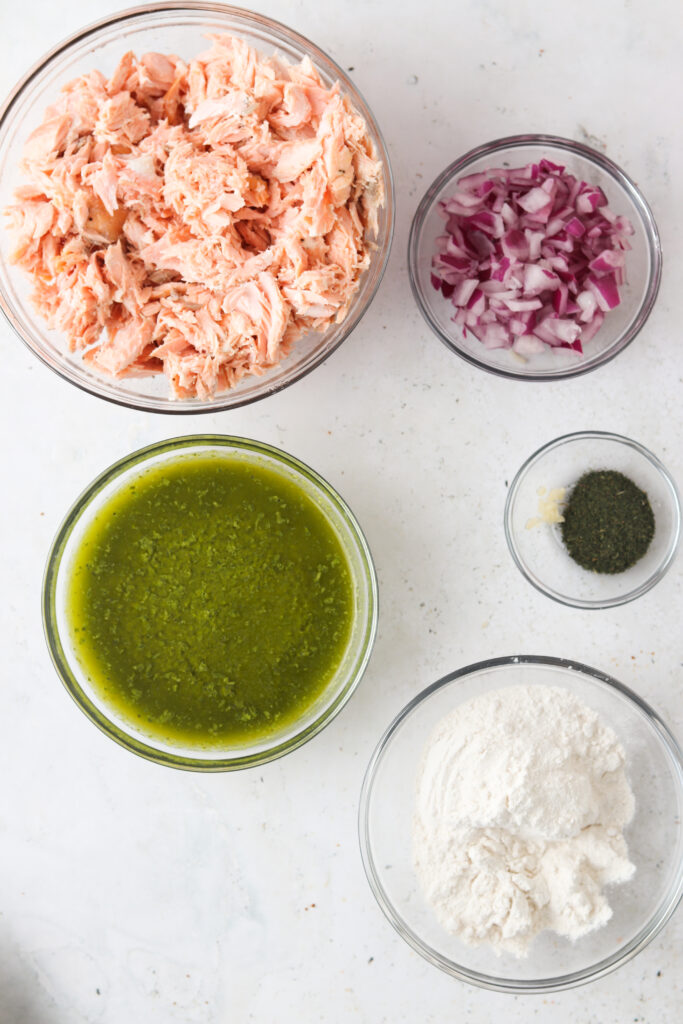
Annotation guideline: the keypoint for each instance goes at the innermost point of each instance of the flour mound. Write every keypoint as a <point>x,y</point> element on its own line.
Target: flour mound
<point>522,797</point>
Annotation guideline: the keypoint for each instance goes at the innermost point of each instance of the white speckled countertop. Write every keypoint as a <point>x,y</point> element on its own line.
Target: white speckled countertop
<point>132,893</point>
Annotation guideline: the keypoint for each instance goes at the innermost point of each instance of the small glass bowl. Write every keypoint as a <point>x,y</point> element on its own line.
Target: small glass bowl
<point>643,262</point>
<point>641,906</point>
<point>171,28</point>
<point>330,701</point>
<point>538,550</point>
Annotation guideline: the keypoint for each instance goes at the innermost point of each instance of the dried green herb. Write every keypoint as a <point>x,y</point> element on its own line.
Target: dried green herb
<point>608,522</point>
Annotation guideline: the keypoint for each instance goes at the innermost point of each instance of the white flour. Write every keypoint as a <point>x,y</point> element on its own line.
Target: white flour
<point>521,801</point>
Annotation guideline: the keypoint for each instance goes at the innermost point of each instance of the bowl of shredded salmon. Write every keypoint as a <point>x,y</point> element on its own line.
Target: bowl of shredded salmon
<point>535,257</point>
<point>197,207</point>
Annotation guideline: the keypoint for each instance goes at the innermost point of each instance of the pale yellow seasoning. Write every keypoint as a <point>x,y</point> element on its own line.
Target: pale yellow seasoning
<point>549,503</point>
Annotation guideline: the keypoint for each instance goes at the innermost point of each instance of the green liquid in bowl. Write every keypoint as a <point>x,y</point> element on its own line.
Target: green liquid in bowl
<point>210,602</point>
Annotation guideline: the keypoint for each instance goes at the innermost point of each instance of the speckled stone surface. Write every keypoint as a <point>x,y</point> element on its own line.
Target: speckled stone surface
<point>132,893</point>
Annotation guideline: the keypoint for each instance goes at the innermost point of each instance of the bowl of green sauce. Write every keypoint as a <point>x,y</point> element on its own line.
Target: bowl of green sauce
<point>593,519</point>
<point>210,602</point>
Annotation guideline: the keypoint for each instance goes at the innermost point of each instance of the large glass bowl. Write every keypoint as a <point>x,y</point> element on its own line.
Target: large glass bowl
<point>178,28</point>
<point>643,262</point>
<point>642,906</point>
<point>329,702</point>
<point>538,550</point>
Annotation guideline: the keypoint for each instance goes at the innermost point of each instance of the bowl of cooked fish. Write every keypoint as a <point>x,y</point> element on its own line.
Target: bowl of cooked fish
<point>197,207</point>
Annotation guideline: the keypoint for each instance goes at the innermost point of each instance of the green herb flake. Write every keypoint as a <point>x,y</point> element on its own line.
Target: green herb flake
<point>608,522</point>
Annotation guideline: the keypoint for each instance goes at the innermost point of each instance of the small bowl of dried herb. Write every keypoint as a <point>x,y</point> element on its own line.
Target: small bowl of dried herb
<point>593,519</point>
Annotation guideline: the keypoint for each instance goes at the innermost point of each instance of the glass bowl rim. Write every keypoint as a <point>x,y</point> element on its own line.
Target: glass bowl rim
<point>183,445</point>
<point>655,577</point>
<point>221,403</point>
<point>487,981</point>
<point>607,165</point>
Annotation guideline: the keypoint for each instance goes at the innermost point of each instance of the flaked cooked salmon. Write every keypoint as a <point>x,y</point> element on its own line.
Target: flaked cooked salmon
<point>196,219</point>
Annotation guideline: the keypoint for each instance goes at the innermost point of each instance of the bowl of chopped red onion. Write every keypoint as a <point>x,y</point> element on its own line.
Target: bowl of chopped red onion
<point>535,257</point>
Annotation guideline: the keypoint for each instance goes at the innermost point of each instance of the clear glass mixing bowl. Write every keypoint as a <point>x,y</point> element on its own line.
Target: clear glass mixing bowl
<point>172,28</point>
<point>642,906</point>
<point>538,550</point>
<point>198,757</point>
<point>643,262</point>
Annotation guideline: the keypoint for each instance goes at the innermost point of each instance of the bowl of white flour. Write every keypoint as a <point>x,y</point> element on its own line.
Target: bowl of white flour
<point>520,824</point>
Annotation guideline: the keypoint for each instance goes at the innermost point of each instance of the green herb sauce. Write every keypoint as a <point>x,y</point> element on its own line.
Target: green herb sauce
<point>608,522</point>
<point>210,601</point>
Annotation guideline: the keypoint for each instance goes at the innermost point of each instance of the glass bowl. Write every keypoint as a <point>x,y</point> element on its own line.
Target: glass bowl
<point>178,28</point>
<point>329,702</point>
<point>643,262</point>
<point>538,550</point>
<point>655,839</point>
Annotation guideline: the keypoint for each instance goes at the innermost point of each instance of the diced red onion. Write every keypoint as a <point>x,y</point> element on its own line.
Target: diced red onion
<point>463,291</point>
<point>532,257</point>
<point>528,345</point>
<point>587,303</point>
<point>608,260</point>
<point>535,199</point>
<point>605,290</point>
<point>592,328</point>
<point>523,305</point>
<point>575,227</point>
